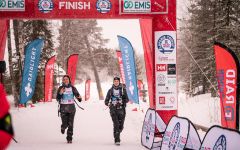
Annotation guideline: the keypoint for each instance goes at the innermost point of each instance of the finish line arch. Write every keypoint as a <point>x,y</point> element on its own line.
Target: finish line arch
<point>159,49</point>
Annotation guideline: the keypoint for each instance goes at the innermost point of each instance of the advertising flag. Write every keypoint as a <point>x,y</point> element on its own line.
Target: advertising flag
<point>31,62</point>
<point>48,83</point>
<point>72,67</point>
<point>4,25</point>
<point>120,62</point>
<point>146,32</point>
<point>129,69</point>
<point>87,89</point>
<point>227,75</point>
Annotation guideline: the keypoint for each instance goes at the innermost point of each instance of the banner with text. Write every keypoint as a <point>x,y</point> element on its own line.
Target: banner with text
<point>48,83</point>
<point>129,68</point>
<point>227,76</point>
<point>87,89</point>
<point>120,62</point>
<point>31,62</point>
<point>165,70</point>
<point>72,67</point>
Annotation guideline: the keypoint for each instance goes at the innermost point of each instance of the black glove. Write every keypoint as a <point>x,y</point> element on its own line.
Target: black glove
<point>79,99</point>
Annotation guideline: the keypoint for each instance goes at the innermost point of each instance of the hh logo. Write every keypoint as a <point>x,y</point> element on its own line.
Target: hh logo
<point>161,100</point>
<point>161,67</point>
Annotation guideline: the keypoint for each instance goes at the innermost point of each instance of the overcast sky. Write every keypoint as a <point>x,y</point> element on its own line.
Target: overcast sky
<point>128,28</point>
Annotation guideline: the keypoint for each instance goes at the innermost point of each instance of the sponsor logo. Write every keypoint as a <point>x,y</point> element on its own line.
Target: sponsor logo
<point>174,137</point>
<point>161,80</point>
<point>149,127</point>
<point>134,6</point>
<point>103,6</point>
<point>171,69</point>
<point>161,100</point>
<point>161,67</point>
<point>172,99</point>
<point>74,5</point>
<point>171,82</point>
<point>166,44</point>
<point>166,59</point>
<point>221,143</point>
<point>12,5</point>
<point>45,6</point>
<point>165,93</point>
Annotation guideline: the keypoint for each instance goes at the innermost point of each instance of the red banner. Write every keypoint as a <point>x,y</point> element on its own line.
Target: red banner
<point>146,31</point>
<point>119,56</point>
<point>4,25</point>
<point>227,75</point>
<point>72,67</point>
<point>87,89</point>
<point>49,72</point>
<point>140,87</point>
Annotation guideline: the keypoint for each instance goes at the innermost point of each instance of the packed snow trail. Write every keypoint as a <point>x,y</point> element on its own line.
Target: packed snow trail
<point>38,128</point>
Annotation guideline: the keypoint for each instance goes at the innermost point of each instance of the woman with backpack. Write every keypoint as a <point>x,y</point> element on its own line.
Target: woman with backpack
<point>116,100</point>
<point>65,97</point>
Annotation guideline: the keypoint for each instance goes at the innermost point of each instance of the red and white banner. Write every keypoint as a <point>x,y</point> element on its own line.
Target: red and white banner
<point>140,87</point>
<point>87,89</point>
<point>120,62</point>
<point>4,25</point>
<point>49,72</point>
<point>146,31</point>
<point>72,67</point>
<point>227,75</point>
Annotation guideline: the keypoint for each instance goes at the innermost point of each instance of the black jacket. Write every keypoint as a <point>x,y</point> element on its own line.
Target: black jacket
<point>67,108</point>
<point>123,94</point>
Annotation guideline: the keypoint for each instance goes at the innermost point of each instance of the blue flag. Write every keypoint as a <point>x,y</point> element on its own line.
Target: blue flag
<point>31,62</point>
<point>129,68</point>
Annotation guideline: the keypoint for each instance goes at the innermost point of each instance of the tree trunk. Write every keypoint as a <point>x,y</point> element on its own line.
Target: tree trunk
<point>13,84</point>
<point>100,93</point>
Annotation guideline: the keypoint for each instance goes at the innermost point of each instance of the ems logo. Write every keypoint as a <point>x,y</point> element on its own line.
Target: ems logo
<point>174,137</point>
<point>45,6</point>
<point>166,44</point>
<point>221,143</point>
<point>103,6</point>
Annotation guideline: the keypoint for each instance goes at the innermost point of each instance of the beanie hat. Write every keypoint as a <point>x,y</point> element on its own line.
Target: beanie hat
<point>116,78</point>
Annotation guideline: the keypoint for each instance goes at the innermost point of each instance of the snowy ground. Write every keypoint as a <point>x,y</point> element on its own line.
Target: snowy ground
<point>39,127</point>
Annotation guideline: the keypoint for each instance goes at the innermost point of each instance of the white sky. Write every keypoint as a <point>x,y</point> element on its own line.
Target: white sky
<point>128,28</point>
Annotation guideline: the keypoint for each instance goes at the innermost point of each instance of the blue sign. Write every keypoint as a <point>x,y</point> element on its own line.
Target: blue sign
<point>31,62</point>
<point>166,44</point>
<point>129,68</point>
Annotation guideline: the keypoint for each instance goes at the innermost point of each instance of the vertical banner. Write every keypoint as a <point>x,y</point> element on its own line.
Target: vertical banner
<point>120,62</point>
<point>227,75</point>
<point>48,83</point>
<point>129,68</point>
<point>140,87</point>
<point>31,62</point>
<point>165,77</point>
<point>72,67</point>
<point>87,89</point>
<point>4,25</point>
<point>146,32</point>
